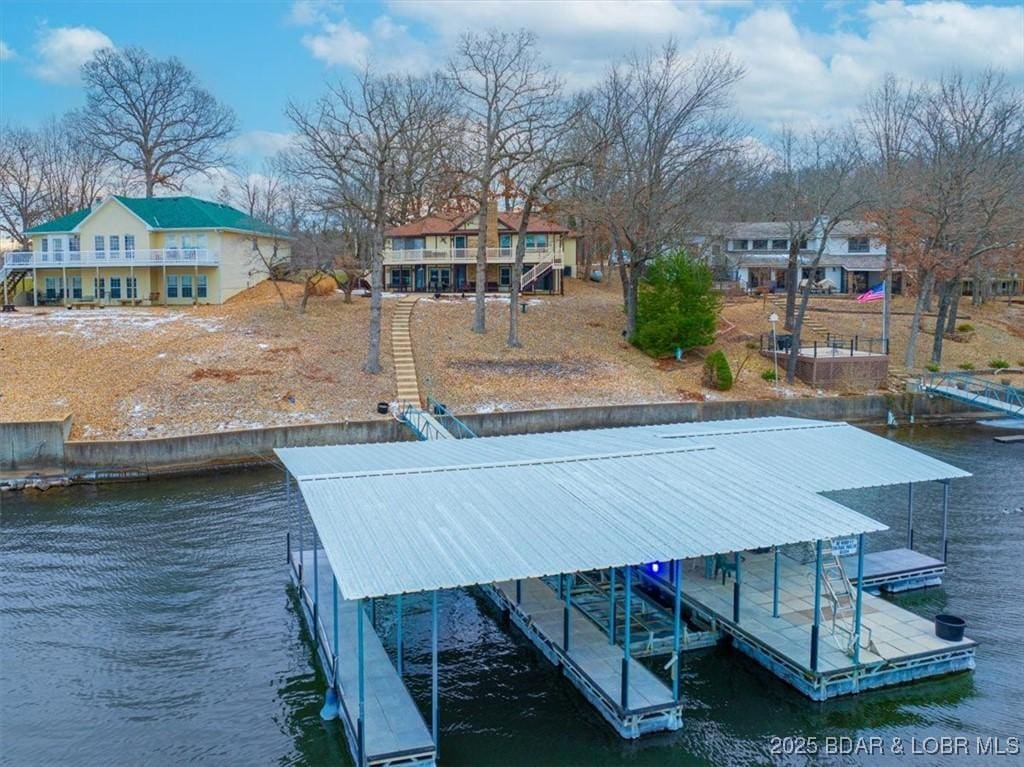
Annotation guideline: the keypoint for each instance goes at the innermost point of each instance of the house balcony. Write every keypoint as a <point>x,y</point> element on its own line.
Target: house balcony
<point>74,259</point>
<point>468,256</point>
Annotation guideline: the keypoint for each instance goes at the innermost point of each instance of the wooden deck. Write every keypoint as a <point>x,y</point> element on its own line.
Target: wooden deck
<point>897,645</point>
<point>897,570</point>
<point>395,732</point>
<point>593,665</point>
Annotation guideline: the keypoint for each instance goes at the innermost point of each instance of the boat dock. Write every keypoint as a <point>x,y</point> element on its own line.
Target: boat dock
<point>392,733</point>
<point>895,645</point>
<point>592,663</point>
<point>607,545</point>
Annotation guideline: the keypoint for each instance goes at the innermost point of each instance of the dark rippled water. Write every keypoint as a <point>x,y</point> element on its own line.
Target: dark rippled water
<point>150,624</point>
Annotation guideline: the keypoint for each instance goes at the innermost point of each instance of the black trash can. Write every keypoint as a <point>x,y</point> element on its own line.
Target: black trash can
<point>950,627</point>
<point>383,407</point>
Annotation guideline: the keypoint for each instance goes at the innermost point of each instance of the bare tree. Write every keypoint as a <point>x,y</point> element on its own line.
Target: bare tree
<point>360,149</point>
<point>818,183</point>
<point>888,121</point>
<point>75,171</point>
<point>505,89</point>
<point>24,197</point>
<point>670,139</point>
<point>268,200</point>
<point>152,117</point>
<point>556,147</point>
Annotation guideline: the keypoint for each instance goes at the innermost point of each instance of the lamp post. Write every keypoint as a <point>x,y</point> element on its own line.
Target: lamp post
<point>773,318</point>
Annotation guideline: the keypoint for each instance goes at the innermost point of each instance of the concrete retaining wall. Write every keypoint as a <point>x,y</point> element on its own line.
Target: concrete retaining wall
<point>28,446</point>
<point>135,458</point>
<point>203,451</point>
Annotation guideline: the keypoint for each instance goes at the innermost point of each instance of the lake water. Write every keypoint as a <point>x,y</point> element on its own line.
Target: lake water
<point>151,624</point>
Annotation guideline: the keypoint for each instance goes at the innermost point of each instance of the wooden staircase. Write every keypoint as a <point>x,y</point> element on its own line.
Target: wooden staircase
<point>812,329</point>
<point>9,279</point>
<point>535,273</point>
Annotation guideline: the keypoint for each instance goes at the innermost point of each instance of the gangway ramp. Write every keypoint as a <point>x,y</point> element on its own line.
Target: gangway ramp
<point>980,392</point>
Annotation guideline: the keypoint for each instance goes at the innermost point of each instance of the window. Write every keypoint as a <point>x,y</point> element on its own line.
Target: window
<point>76,287</point>
<point>74,243</point>
<point>716,250</point>
<point>172,286</point>
<point>44,245</point>
<point>737,244</point>
<point>760,244</point>
<point>505,241</point>
<point>186,286</point>
<point>97,245</point>
<point>201,286</point>
<point>201,241</point>
<point>51,288</point>
<point>505,276</point>
<point>115,287</point>
<point>129,245</point>
<point>401,243</point>
<point>803,244</point>
<point>858,245</point>
<point>536,240</point>
<point>115,246</point>
<point>171,244</point>
<point>780,244</point>
<point>58,248</point>
<point>99,287</point>
<point>131,287</point>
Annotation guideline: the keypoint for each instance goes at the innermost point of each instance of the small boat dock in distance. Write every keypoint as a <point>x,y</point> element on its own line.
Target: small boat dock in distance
<point>606,545</point>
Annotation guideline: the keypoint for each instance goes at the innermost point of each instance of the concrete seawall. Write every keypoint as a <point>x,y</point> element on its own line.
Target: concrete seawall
<point>44,449</point>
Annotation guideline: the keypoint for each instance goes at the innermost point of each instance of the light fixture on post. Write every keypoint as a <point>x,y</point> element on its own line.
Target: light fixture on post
<point>773,318</point>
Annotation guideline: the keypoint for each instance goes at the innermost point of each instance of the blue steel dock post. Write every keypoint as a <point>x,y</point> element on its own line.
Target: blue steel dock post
<point>373,613</point>
<point>945,520</point>
<point>677,615</point>
<point>775,581</point>
<point>567,616</point>
<point>288,506</point>
<point>302,547</point>
<point>736,589</point>
<point>858,609</point>
<point>398,635</point>
<point>519,591</point>
<point>334,599</point>
<point>435,714</point>
<point>611,608</point>
<point>816,626</point>
<point>316,593</point>
<point>626,638</point>
<point>910,515</point>
<point>361,683</point>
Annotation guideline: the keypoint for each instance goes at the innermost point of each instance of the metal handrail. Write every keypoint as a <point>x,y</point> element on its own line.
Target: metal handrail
<point>979,387</point>
<point>449,419</point>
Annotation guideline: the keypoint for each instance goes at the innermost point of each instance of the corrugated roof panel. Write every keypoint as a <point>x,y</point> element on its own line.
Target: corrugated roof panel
<point>416,516</point>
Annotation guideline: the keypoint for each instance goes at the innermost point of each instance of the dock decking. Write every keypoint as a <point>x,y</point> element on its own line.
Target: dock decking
<point>592,664</point>
<point>394,731</point>
<point>897,570</point>
<point>897,645</point>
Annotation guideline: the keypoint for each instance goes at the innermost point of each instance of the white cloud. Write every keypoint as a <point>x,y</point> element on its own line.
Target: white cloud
<point>6,51</point>
<point>261,143</point>
<point>338,43</point>
<point>61,51</point>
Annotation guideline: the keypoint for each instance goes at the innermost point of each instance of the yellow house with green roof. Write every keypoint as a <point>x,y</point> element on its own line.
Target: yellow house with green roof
<point>153,251</point>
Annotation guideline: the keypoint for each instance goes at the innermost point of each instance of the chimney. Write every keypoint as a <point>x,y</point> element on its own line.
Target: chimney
<point>97,202</point>
<point>492,224</point>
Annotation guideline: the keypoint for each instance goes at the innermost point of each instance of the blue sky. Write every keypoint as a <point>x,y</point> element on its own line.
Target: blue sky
<point>807,63</point>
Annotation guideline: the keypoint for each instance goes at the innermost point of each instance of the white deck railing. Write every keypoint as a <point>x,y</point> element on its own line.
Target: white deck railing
<point>70,259</point>
<point>466,256</point>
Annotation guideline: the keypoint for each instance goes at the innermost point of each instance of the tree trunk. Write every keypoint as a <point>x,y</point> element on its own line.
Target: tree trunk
<point>945,296</point>
<point>630,289</point>
<point>517,274</point>
<point>798,325</point>
<point>792,280</point>
<point>925,281</point>
<point>479,314</point>
<point>928,289</point>
<point>372,364</point>
<point>954,307</point>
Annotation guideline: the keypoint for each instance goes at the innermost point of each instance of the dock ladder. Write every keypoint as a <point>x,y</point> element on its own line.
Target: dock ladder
<point>842,600</point>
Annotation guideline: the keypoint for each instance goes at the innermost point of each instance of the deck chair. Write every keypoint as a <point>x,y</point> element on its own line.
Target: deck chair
<point>725,565</point>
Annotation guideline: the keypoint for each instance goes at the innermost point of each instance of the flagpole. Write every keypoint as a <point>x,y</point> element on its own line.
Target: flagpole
<point>885,313</point>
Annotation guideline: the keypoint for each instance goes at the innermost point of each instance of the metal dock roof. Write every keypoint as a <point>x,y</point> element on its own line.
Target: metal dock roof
<point>406,517</point>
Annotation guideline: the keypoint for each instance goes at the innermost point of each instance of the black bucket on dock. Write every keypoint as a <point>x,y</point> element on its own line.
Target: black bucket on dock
<point>949,627</point>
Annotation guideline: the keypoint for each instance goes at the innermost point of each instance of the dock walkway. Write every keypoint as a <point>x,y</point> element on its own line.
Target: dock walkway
<point>897,570</point>
<point>394,730</point>
<point>897,645</point>
<point>592,663</point>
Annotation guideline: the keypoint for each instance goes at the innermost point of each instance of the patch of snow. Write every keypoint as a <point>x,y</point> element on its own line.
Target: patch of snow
<point>493,407</point>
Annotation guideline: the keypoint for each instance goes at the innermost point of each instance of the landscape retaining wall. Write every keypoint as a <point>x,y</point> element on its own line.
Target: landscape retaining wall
<point>27,446</point>
<point>43,447</point>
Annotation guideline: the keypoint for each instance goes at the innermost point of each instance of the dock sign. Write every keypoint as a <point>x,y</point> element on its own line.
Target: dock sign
<point>844,547</point>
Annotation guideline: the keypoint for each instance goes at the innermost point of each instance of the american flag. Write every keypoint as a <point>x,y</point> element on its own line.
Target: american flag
<point>877,293</point>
